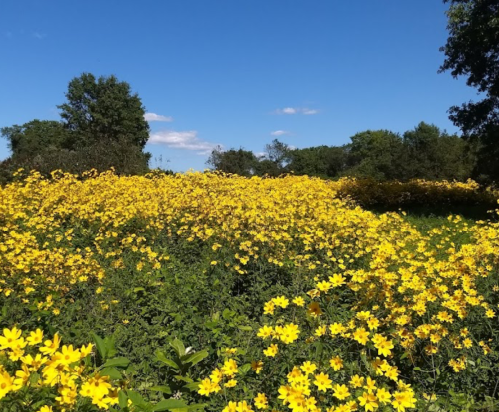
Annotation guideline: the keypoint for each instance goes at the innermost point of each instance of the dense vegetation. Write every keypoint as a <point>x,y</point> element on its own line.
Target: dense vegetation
<point>259,289</point>
<point>102,126</point>
<point>422,153</point>
<point>283,289</point>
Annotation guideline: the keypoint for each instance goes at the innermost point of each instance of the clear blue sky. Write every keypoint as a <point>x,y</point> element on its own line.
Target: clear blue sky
<point>232,72</point>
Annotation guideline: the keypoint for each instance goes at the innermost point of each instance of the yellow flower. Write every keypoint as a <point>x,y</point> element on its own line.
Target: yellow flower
<point>230,383</point>
<point>51,346</point>
<point>229,368</point>
<point>357,381</point>
<point>323,382</point>
<point>383,395</point>
<point>257,366</point>
<point>341,392</point>
<point>261,401</point>
<point>368,401</point>
<point>299,301</point>
<point>308,367</point>
<point>10,338</point>
<point>6,383</point>
<point>314,309</point>
<point>361,336</point>
<point>265,331</point>
<point>336,363</point>
<point>35,337</point>
<point>271,351</point>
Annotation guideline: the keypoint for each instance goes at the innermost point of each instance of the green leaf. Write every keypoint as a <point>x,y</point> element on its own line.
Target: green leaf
<point>117,362</point>
<point>196,406</point>
<point>113,373</point>
<point>245,368</point>
<point>101,346</point>
<point>122,399</point>
<point>162,358</point>
<point>169,404</point>
<point>227,314</point>
<point>195,357</point>
<point>245,328</point>
<point>34,378</point>
<point>164,388</point>
<point>179,347</point>
<point>110,347</point>
<point>183,378</point>
<point>135,397</point>
<point>194,386</point>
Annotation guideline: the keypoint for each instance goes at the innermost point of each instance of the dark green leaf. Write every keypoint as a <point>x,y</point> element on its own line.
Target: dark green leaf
<point>169,404</point>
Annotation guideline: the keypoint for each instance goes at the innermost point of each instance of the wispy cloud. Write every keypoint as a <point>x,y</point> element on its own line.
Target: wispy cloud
<point>279,133</point>
<point>8,34</point>
<point>296,110</point>
<point>153,117</point>
<point>310,111</point>
<point>39,35</point>
<point>187,140</point>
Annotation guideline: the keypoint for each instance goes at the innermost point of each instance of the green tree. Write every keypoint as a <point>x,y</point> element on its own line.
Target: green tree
<point>472,50</point>
<point>375,153</point>
<point>241,162</point>
<point>104,109</point>
<point>278,153</point>
<point>35,137</point>
<point>433,154</point>
<point>322,161</point>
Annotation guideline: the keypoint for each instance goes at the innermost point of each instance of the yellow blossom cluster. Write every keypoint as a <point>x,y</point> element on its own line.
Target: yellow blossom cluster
<point>47,372</point>
<point>369,192</point>
<point>373,285</point>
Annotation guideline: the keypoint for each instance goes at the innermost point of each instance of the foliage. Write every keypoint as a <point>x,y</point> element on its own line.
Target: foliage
<point>223,285</point>
<point>322,161</point>
<point>422,153</point>
<point>103,128</point>
<point>472,50</point>
<point>435,155</point>
<point>104,110</point>
<point>35,137</point>
<point>241,162</point>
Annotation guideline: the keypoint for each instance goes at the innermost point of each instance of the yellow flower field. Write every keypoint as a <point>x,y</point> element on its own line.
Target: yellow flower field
<point>339,308</point>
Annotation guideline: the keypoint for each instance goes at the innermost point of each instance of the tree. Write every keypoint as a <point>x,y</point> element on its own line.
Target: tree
<point>35,137</point>
<point>278,153</point>
<point>103,126</point>
<point>433,154</point>
<point>240,161</point>
<point>323,161</point>
<point>376,154</point>
<point>104,109</point>
<point>472,50</point>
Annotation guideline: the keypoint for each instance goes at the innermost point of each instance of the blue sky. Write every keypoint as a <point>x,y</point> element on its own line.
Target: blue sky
<point>238,73</point>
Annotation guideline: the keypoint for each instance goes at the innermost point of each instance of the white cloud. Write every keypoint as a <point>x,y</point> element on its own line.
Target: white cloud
<point>279,133</point>
<point>39,36</point>
<point>187,140</point>
<point>296,110</point>
<point>153,117</point>
<point>260,154</point>
<point>309,111</point>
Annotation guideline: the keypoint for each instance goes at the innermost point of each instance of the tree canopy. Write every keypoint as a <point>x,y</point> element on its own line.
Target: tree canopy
<point>104,109</point>
<point>102,126</point>
<point>472,50</point>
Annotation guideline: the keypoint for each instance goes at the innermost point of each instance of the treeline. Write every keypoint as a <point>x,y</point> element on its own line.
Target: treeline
<point>102,126</point>
<point>425,152</point>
